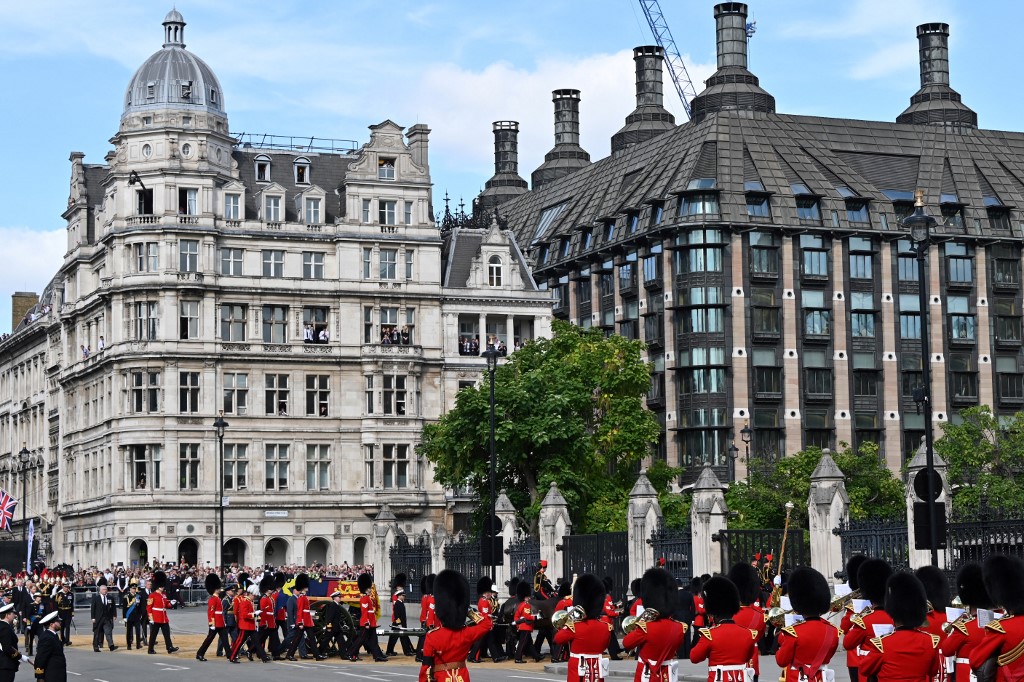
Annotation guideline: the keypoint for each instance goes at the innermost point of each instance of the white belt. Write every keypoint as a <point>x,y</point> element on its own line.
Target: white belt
<point>305,610</point>
<point>218,613</point>
<point>963,661</point>
<point>585,656</point>
<point>717,668</point>
<point>157,608</point>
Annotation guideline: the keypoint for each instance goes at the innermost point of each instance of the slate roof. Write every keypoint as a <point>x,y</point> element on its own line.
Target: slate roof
<point>462,245</point>
<point>326,171</point>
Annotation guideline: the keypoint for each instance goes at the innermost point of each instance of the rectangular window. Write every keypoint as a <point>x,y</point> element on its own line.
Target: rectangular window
<point>273,263</point>
<point>272,209</point>
<point>861,266</point>
<point>188,201</point>
<point>1006,265</point>
<point>368,335</point>
<point>147,257</point>
<point>276,462</point>
<point>188,392</point>
<point>758,206</point>
<point>236,393</point>
<point>369,466</point>
<point>857,211</point>
<point>960,270</point>
<point>808,208</point>
<point>386,212</point>
<point>367,260</point>
<point>912,371</point>
<point>865,384</point>
<point>144,202</point>
<point>817,322</point>
<point>409,261</point>
<point>275,325</point>
<point>312,265</point>
<point>394,394</point>
<point>815,264</point>
<point>764,255</point>
<point>188,466</point>
<point>388,263</point>
<point>318,395</point>
<point>386,169</point>
<point>314,324</point>
<point>818,428</point>
<point>767,376</point>
<point>146,463</point>
<point>961,321</point>
<point>232,322</point>
<point>143,392</point>
<point>188,255</point>
<point>276,394</point>
<point>312,211</point>
<point>318,467</point>
<point>232,207</point>
<point>370,395</point>
<point>236,466</point>
<point>396,466</point>
<point>407,213</point>
<point>1007,320</point>
<point>698,204</point>
<point>188,320</point>
<point>963,378</point>
<point>145,320</point>
<point>910,316</point>
<point>366,210</point>
<point>231,262</point>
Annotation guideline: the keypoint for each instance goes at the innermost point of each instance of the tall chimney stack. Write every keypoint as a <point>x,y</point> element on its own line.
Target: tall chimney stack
<point>650,118</point>
<point>505,184</point>
<point>936,103</point>
<point>731,31</point>
<point>567,156</point>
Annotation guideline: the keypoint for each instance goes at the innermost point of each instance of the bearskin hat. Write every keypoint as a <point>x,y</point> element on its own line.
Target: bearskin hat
<point>659,592</point>
<point>301,582</point>
<point>871,577</point>
<point>523,590</point>
<point>212,583</point>
<point>564,589</point>
<point>451,599</point>
<point>721,598</point>
<point>936,586</point>
<point>267,584</point>
<point>852,567</point>
<point>905,600</point>
<point>634,587</point>
<point>279,580</point>
<point>970,585</point>
<point>243,580</point>
<point>808,592</point>
<point>364,581</point>
<point>483,585</point>
<point>747,582</point>
<point>101,582</point>
<point>400,580</point>
<point>513,586</point>
<point>588,594</point>
<point>609,584</point>
<point>1004,580</point>
<point>159,579</point>
<point>427,584</point>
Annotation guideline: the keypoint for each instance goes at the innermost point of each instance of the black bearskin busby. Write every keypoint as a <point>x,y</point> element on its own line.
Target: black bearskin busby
<point>484,585</point>
<point>400,580</point>
<point>970,586</point>
<point>159,579</point>
<point>608,584</point>
<point>634,588</point>
<point>301,582</point>
<point>588,594</point>
<point>267,584</point>
<point>747,582</point>
<point>513,587</point>
<point>451,599</point>
<point>243,581</point>
<point>936,586</point>
<point>905,600</point>
<point>101,582</point>
<point>658,588</point>
<point>212,583</point>
<point>1004,580</point>
<point>809,594</point>
<point>564,589</point>
<point>853,565</point>
<point>427,584</point>
<point>523,590</point>
<point>365,582</point>
<point>721,598</point>
<point>279,580</point>
<point>872,576</point>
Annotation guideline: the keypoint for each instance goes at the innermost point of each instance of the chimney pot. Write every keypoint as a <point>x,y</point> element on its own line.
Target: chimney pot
<point>649,90</point>
<point>506,147</point>
<point>567,116</point>
<point>731,29</point>
<point>933,44</point>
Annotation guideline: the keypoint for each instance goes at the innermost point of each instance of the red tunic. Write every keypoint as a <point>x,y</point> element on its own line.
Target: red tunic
<point>752,617</point>
<point>698,611</point>
<point>450,647</point>
<point>244,613</point>
<point>587,640</point>
<point>934,625</point>
<point>268,619</point>
<point>367,612</point>
<point>157,606</point>
<point>563,604</point>
<point>844,626</point>
<point>215,612</point>
<point>524,617</point>
<point>428,605</point>
<point>636,606</point>
<point>807,646</point>
<point>483,606</point>
<point>610,614</point>
<point>1002,638</point>
<point>727,647</point>
<point>862,629</point>
<point>963,637</point>
<point>905,655</point>
<point>303,616</point>
<point>658,642</point>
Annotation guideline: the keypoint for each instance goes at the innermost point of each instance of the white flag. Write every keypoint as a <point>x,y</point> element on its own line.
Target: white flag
<point>28,550</point>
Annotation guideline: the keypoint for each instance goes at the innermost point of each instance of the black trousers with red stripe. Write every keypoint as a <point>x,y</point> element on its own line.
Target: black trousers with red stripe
<point>254,645</point>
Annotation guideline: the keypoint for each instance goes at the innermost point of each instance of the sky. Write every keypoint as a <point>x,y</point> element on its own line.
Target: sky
<point>331,68</point>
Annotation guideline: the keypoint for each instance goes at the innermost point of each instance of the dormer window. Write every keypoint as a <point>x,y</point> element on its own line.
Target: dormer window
<point>494,271</point>
<point>808,206</point>
<point>186,90</point>
<point>301,167</point>
<point>262,168</point>
<point>385,169</point>
<point>213,96</point>
<point>857,211</point>
<point>150,90</point>
<point>609,231</point>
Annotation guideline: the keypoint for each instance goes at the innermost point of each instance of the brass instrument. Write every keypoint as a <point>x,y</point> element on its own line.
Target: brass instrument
<point>777,616</point>
<point>567,617</point>
<point>776,596</point>
<point>473,616</point>
<point>839,603</point>
<point>630,623</point>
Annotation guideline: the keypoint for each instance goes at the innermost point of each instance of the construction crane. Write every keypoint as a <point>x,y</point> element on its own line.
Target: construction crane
<point>676,67</point>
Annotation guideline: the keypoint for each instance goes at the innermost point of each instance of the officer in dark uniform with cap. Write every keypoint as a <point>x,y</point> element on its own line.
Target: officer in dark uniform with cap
<point>50,664</point>
<point>10,657</point>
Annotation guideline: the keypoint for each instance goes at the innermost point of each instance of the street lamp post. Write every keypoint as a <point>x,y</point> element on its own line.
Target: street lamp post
<point>219,426</point>
<point>734,452</point>
<point>491,354</point>
<point>920,225</point>
<point>24,457</point>
<point>745,435</point>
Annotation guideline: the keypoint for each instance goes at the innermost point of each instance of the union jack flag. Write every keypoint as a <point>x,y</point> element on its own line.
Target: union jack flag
<point>7,505</point>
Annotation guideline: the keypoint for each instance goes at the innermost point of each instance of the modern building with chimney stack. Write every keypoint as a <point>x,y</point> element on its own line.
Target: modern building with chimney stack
<point>299,287</point>
<point>761,258</point>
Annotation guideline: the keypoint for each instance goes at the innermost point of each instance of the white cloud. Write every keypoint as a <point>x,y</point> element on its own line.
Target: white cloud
<point>31,259</point>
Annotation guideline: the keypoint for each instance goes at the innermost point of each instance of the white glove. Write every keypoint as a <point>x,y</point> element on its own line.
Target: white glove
<point>777,581</point>
<point>174,602</point>
<point>24,659</point>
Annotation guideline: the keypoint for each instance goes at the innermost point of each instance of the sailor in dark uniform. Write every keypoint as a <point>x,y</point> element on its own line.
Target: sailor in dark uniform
<point>50,664</point>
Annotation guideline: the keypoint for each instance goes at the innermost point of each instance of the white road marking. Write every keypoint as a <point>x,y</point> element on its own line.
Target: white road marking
<point>524,677</point>
<point>362,677</point>
<point>165,667</point>
<point>99,680</point>
<point>388,672</point>
<point>75,674</point>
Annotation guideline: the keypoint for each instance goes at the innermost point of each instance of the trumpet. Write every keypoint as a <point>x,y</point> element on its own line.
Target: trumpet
<point>630,623</point>
<point>567,617</point>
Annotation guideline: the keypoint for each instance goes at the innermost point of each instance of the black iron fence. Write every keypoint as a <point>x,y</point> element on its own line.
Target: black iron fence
<point>524,557</point>
<point>412,557</point>
<point>744,544</point>
<point>675,546</point>
<point>878,538</point>
<point>462,554</point>
<point>603,554</point>
<point>978,538</point>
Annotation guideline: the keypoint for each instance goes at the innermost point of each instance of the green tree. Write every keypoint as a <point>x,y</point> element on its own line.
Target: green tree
<point>873,490</point>
<point>985,456</point>
<point>569,409</point>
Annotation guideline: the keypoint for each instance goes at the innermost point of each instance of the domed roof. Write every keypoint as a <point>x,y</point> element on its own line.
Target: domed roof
<point>174,77</point>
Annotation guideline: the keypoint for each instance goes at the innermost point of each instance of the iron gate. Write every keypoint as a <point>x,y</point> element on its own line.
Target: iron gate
<point>413,559</point>
<point>675,546</point>
<point>524,557</point>
<point>463,555</point>
<point>742,545</point>
<point>603,554</point>
<point>990,532</point>
<point>876,538</point>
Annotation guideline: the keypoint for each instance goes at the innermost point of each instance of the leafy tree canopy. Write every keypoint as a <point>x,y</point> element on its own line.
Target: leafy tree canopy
<point>569,409</point>
<point>872,488</point>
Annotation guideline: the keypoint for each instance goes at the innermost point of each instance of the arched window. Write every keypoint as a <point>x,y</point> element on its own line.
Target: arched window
<point>301,166</point>
<point>262,168</point>
<point>494,271</point>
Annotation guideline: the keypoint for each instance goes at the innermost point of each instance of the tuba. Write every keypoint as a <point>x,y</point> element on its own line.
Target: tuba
<point>630,623</point>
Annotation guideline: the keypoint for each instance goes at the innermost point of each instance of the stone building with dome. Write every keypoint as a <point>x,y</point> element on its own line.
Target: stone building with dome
<point>298,286</point>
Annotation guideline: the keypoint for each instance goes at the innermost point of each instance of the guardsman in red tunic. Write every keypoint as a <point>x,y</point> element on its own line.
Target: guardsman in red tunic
<point>637,604</point>
<point>872,576</point>
<point>726,646</point>
<point>247,620</point>
<point>585,640</point>
<point>908,654</point>
<point>426,611</point>
<point>214,615</point>
<point>656,635</point>
<point>157,606</point>
<point>446,647</point>
<point>267,620</point>
<point>964,632</point>
<point>936,588</point>
<point>559,653</point>
<point>486,605</point>
<point>303,620</point>
<point>523,621</point>
<point>1004,638</point>
<point>807,647</point>
<point>366,637</point>
<point>750,615</point>
<point>849,611</point>
<point>610,614</point>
